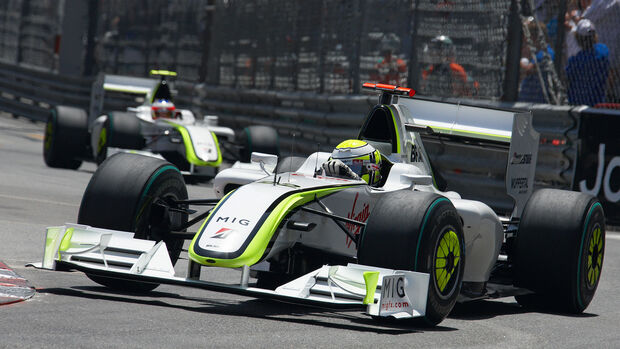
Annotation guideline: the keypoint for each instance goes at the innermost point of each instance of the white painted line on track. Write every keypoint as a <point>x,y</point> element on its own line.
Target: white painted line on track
<point>37,200</point>
<point>612,236</point>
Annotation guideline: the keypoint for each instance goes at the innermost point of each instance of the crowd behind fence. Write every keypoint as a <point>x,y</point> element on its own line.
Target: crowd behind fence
<point>570,50</point>
<point>298,65</point>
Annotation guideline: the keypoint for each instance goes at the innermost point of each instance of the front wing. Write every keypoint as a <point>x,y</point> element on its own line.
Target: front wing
<point>117,254</point>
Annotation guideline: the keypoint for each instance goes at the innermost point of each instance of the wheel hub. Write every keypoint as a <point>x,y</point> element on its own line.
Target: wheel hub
<point>450,262</point>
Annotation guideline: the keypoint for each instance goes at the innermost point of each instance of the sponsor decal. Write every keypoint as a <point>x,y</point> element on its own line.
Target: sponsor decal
<point>393,296</point>
<point>521,159</point>
<point>361,216</point>
<point>603,176</point>
<point>520,184</point>
<point>222,233</point>
<point>241,221</point>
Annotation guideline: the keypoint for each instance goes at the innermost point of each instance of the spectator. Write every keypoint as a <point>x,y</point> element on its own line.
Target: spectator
<point>535,56</point>
<point>587,71</point>
<point>573,16</point>
<point>605,15</point>
<point>391,69</point>
<point>444,77</point>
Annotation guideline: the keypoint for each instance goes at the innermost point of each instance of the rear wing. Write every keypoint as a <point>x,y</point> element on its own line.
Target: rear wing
<point>126,85</point>
<point>508,128</point>
<point>129,84</point>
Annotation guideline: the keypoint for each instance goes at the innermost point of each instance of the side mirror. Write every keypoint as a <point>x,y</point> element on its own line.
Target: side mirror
<point>267,162</point>
<point>412,179</point>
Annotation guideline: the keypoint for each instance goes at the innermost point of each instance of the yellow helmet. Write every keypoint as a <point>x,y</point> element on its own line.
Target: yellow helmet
<point>361,157</point>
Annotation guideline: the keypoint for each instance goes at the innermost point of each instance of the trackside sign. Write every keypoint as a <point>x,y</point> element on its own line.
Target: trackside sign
<point>597,171</point>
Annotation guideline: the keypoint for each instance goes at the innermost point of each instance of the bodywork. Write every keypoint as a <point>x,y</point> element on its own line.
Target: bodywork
<point>256,226</point>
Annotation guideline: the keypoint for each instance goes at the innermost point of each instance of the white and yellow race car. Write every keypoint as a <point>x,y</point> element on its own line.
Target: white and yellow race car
<point>155,128</point>
<point>399,248</point>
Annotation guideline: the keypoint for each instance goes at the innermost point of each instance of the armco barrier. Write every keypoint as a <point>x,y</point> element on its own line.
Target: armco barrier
<point>29,92</point>
<point>569,153</point>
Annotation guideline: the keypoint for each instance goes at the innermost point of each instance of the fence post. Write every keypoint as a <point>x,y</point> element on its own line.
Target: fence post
<point>73,26</point>
<point>357,47</point>
<point>559,41</point>
<point>414,65</point>
<point>25,11</point>
<point>89,57</point>
<point>513,54</point>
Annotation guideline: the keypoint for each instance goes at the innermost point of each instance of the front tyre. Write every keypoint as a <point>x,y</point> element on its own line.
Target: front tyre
<point>123,194</point>
<point>559,249</point>
<point>261,139</point>
<point>422,232</point>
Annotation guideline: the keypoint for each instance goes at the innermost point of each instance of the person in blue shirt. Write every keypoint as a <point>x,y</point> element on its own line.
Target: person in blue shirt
<point>533,66</point>
<point>587,71</point>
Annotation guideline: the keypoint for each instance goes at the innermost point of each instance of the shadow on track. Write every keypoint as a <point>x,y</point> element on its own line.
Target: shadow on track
<point>256,308</point>
<point>486,309</point>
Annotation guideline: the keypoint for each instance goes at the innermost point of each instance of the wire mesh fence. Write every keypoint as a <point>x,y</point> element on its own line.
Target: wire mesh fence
<point>570,50</point>
<point>29,32</point>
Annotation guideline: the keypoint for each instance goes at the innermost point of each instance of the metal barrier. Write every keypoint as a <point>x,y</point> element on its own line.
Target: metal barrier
<point>307,122</point>
<point>30,92</point>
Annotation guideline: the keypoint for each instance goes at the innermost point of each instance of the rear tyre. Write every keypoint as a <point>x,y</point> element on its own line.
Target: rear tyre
<point>559,250</point>
<point>262,139</point>
<point>120,196</point>
<point>66,137</point>
<point>422,232</point>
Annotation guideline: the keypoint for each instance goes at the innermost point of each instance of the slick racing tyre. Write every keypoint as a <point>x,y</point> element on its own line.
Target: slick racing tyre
<point>121,196</point>
<point>120,130</point>
<point>422,232</point>
<point>261,139</point>
<point>289,164</point>
<point>66,137</point>
<point>559,250</point>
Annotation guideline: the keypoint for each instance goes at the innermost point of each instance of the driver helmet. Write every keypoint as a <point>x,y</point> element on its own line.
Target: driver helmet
<point>162,108</point>
<point>361,157</point>
<point>441,50</point>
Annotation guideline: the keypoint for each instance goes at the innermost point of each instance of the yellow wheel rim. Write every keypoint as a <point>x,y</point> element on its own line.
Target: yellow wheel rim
<point>448,256</point>
<point>49,131</point>
<point>103,136</point>
<point>595,257</point>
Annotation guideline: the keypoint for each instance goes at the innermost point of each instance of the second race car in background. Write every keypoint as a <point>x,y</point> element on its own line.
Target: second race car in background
<point>155,127</point>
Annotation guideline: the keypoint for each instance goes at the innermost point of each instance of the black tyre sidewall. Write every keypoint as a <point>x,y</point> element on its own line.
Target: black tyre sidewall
<point>65,139</point>
<point>552,244</point>
<point>440,219</point>
<point>403,231</point>
<point>119,197</point>
<point>124,131</point>
<point>261,139</point>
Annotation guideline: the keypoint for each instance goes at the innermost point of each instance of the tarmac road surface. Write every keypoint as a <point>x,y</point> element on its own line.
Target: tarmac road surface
<point>71,311</point>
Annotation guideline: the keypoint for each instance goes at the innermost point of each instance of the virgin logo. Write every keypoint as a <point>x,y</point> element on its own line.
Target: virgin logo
<point>360,216</point>
<point>610,195</point>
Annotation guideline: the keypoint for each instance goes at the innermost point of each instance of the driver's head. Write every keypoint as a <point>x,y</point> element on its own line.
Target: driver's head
<point>441,50</point>
<point>162,108</point>
<point>361,157</point>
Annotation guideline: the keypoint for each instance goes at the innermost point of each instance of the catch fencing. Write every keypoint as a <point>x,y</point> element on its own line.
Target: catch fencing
<point>298,66</point>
